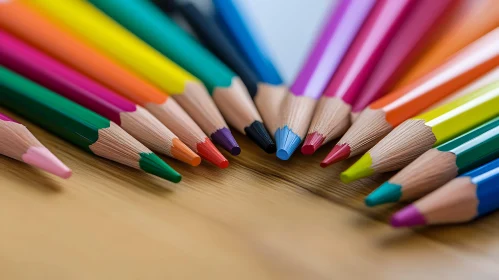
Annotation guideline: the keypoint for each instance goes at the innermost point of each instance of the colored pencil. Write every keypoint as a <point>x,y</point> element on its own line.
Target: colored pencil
<point>18,18</point>
<point>267,97</point>
<point>377,120</point>
<point>332,116</point>
<point>17,142</point>
<point>78,125</point>
<point>338,32</point>
<point>101,31</point>
<point>55,76</point>
<point>214,38</point>
<point>463,199</point>
<point>486,79</point>
<point>470,20</point>
<point>440,165</point>
<point>271,89</point>
<point>155,28</point>
<point>407,43</point>
<point>417,135</point>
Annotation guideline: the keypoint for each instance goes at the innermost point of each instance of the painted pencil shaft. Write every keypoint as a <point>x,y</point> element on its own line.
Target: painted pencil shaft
<point>332,116</point>
<point>228,92</point>
<point>463,199</point>
<point>377,120</point>
<point>17,142</point>
<point>340,28</point>
<point>440,165</point>
<point>55,76</point>
<point>409,40</point>
<point>17,18</point>
<point>99,30</point>
<point>417,135</point>
<point>470,20</point>
<point>78,125</point>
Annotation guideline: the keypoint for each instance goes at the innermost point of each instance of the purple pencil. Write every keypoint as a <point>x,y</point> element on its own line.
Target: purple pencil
<point>17,142</point>
<point>332,117</point>
<point>404,47</point>
<point>344,22</point>
<point>35,65</point>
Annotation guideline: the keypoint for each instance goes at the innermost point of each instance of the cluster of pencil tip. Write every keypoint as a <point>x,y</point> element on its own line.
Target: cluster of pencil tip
<point>407,85</point>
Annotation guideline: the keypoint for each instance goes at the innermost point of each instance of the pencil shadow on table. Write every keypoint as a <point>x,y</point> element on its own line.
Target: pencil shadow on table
<point>28,176</point>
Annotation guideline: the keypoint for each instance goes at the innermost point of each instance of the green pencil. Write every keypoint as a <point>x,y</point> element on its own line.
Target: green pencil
<point>440,165</point>
<point>78,125</point>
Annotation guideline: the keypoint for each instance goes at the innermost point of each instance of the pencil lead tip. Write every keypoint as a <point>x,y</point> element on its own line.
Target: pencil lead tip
<point>181,152</point>
<point>312,142</point>
<point>224,138</point>
<point>152,164</point>
<point>208,151</point>
<point>42,158</point>
<point>337,154</point>
<point>360,169</point>
<point>386,193</point>
<point>258,134</point>
<point>287,142</point>
<point>408,217</point>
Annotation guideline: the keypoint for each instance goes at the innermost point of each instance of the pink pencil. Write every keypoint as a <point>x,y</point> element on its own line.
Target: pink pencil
<point>17,142</point>
<point>403,48</point>
<point>134,119</point>
<point>332,116</point>
<point>341,27</point>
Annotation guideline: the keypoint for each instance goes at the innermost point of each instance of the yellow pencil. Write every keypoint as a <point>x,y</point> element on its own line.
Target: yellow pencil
<point>95,28</point>
<point>419,134</point>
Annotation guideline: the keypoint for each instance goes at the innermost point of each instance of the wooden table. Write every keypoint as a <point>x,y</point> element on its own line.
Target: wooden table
<point>259,219</point>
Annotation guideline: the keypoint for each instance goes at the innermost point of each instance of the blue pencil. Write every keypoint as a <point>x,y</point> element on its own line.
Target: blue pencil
<point>271,88</point>
<point>463,199</point>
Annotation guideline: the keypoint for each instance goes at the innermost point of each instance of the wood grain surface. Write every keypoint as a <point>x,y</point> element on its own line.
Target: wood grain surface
<point>259,219</point>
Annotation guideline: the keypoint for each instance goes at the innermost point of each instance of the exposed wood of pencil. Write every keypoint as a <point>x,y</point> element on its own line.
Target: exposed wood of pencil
<point>296,112</point>
<point>454,202</point>
<point>197,103</point>
<point>331,118</point>
<point>428,172</point>
<point>268,101</point>
<point>236,105</point>
<point>117,145</point>
<point>403,145</point>
<point>184,127</point>
<point>370,127</point>
<point>17,142</point>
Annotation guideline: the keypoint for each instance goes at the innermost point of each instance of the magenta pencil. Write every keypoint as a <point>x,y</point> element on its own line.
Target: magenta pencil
<point>340,29</point>
<point>332,116</point>
<point>137,121</point>
<point>17,142</point>
<point>402,49</point>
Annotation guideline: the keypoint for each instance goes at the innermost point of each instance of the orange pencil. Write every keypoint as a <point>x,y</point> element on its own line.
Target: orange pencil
<point>19,19</point>
<point>377,120</point>
<point>470,20</point>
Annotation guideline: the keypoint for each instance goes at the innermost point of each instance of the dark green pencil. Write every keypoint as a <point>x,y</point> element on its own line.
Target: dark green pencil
<point>78,125</point>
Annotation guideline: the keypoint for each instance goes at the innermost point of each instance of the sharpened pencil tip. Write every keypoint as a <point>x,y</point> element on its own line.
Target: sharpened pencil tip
<point>209,152</point>
<point>386,193</point>
<point>42,158</point>
<point>337,154</point>
<point>408,217</point>
<point>287,142</point>
<point>181,152</point>
<point>258,134</point>
<point>360,169</point>
<point>312,142</point>
<point>224,138</point>
<point>152,164</point>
